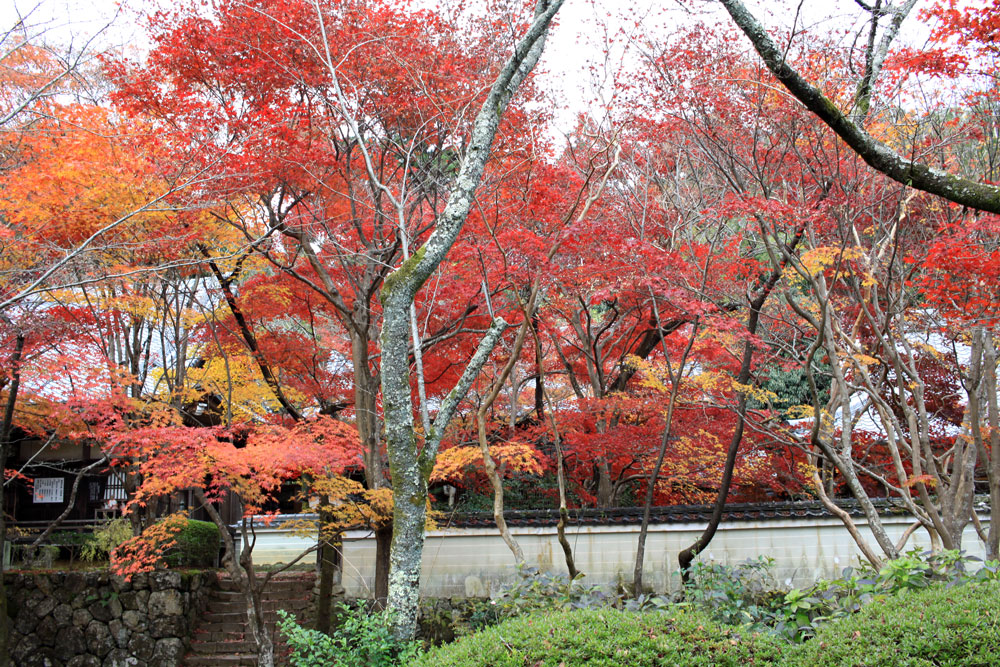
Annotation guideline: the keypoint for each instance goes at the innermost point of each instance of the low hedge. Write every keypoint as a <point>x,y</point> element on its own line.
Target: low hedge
<point>609,638</point>
<point>943,627</point>
<point>946,627</point>
<point>197,545</point>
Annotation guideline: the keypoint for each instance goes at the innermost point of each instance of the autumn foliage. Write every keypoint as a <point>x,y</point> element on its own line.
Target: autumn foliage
<point>191,266</point>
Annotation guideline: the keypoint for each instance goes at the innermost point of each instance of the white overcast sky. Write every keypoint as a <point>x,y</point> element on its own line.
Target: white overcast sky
<point>573,47</point>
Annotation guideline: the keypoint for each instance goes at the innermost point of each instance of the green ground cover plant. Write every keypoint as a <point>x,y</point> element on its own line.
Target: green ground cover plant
<point>745,594</point>
<point>609,638</point>
<point>920,610</point>
<point>361,639</point>
<point>942,625</point>
<point>99,544</point>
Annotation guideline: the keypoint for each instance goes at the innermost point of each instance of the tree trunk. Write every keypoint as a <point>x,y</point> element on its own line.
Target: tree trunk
<point>383,545</point>
<point>366,419</point>
<point>687,556</point>
<point>840,395</point>
<point>329,564</point>
<point>981,393</point>
<point>539,361</point>
<point>957,496</point>
<point>5,430</point>
<point>647,507</point>
<point>605,489</point>
<point>365,411</point>
<point>560,471</point>
<point>564,515</point>
<point>849,524</point>
<point>410,467</point>
<point>993,421</point>
<point>497,485</point>
<point>766,287</point>
<point>327,567</point>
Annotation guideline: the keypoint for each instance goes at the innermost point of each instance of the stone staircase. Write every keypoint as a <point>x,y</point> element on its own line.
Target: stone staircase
<point>222,636</point>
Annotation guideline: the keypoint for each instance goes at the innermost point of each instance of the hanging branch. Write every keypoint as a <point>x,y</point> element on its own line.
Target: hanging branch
<point>879,156</point>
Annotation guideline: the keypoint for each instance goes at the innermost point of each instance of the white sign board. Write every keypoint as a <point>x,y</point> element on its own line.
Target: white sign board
<point>49,489</point>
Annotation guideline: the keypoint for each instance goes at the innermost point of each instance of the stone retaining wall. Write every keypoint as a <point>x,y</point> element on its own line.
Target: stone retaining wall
<point>93,619</point>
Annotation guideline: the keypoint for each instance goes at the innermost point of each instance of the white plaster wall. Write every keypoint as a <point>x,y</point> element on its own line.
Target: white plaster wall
<point>476,562</point>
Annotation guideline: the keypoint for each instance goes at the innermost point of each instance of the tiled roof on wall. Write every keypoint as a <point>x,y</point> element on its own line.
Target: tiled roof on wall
<point>734,512</point>
<point>673,514</point>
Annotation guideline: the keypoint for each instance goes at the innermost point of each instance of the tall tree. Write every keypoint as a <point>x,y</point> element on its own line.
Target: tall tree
<point>410,463</point>
<point>372,99</point>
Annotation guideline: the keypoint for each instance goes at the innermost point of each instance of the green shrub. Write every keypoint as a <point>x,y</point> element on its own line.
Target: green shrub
<point>745,595</point>
<point>801,612</point>
<point>942,625</point>
<point>609,638</point>
<point>197,545</point>
<point>105,538</point>
<point>361,640</point>
<point>541,591</point>
<point>734,595</point>
<point>945,626</point>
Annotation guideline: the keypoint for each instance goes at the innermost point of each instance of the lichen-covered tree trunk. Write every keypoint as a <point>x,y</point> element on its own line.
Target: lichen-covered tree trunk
<point>409,466</point>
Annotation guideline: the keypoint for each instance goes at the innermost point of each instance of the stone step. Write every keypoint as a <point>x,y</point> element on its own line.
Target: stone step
<point>230,606</point>
<point>234,660</point>
<point>227,647</point>
<point>242,617</point>
<point>273,591</point>
<point>238,618</point>
<point>221,628</point>
<point>225,608</point>
<point>221,638</point>
<point>230,627</point>
<point>234,657</point>
<point>211,637</point>
<point>221,647</point>
<point>225,595</point>
<point>298,583</point>
<point>231,638</point>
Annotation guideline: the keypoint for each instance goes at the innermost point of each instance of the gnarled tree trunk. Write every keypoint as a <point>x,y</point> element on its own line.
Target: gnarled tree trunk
<point>411,465</point>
